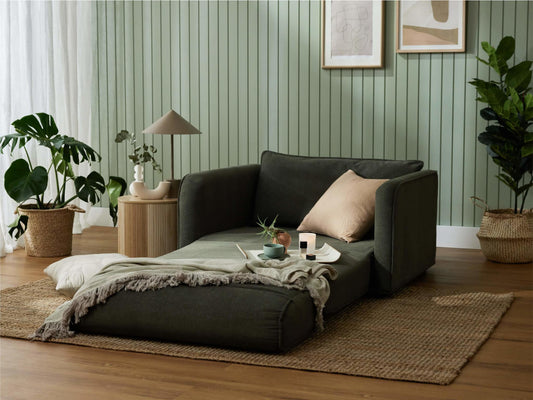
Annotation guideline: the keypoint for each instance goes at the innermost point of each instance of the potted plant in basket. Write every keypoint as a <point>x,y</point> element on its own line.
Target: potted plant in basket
<point>47,223</point>
<point>507,235</point>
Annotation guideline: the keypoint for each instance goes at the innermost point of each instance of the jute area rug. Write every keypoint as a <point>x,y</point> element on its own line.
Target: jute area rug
<point>421,334</point>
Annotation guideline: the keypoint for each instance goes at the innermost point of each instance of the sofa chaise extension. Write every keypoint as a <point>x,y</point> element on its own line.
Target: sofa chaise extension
<point>219,208</point>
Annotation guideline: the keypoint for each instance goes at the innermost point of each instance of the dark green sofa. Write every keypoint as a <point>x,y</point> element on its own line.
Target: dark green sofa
<point>219,208</point>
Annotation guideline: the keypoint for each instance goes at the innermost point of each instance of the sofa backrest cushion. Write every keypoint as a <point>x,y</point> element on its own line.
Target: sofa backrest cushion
<point>289,186</point>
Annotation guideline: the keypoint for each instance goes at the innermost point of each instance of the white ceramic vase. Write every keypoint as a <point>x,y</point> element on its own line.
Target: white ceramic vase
<point>138,189</point>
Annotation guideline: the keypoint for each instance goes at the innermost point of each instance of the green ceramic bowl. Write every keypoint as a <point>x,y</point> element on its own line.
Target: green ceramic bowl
<point>273,250</point>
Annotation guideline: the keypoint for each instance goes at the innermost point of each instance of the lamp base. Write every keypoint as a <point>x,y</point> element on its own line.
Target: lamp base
<point>174,188</point>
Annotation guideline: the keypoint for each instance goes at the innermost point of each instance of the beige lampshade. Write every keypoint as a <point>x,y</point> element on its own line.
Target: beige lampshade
<point>172,124</point>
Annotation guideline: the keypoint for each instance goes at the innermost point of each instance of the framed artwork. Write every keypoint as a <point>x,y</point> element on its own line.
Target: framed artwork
<point>352,34</point>
<point>430,26</point>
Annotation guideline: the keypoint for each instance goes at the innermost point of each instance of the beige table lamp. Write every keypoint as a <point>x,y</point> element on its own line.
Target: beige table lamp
<point>172,124</point>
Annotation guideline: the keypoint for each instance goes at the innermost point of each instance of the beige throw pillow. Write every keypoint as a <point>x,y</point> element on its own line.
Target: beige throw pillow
<point>346,210</point>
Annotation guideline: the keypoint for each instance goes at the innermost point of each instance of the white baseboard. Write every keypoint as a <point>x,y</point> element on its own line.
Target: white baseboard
<point>461,237</point>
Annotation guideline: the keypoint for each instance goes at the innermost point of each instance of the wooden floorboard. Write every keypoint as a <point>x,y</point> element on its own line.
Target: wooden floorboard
<point>502,369</point>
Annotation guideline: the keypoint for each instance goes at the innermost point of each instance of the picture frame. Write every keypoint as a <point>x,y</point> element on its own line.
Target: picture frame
<point>352,33</point>
<point>442,29</point>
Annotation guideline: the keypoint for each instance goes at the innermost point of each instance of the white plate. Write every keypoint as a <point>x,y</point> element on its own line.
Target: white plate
<point>326,254</point>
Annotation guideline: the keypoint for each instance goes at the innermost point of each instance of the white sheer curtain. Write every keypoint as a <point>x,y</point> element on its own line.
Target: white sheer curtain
<point>46,52</point>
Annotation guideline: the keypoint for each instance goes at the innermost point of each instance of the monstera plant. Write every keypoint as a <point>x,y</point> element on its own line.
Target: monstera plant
<point>506,235</point>
<point>24,181</point>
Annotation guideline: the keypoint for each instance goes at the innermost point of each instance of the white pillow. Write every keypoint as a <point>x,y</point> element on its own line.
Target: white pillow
<point>70,273</point>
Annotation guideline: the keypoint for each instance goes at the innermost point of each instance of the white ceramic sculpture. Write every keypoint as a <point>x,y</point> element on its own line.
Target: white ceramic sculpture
<point>138,189</point>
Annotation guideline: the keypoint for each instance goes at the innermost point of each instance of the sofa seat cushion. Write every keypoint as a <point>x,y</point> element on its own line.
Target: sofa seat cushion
<point>248,317</point>
<point>289,186</point>
<point>353,267</point>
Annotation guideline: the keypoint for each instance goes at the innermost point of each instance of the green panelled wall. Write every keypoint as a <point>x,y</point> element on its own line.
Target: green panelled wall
<point>248,75</point>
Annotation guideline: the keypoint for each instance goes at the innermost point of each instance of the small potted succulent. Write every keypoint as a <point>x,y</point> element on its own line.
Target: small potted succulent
<point>275,234</point>
<point>47,223</point>
<point>506,235</point>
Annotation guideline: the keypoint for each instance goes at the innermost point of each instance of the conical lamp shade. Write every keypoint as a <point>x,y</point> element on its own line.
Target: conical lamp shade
<point>171,124</point>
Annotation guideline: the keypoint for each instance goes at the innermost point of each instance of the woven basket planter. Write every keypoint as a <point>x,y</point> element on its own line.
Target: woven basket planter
<point>506,237</point>
<point>49,232</point>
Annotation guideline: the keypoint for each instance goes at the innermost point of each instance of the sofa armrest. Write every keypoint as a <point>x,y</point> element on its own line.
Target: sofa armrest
<point>216,200</point>
<point>405,230</point>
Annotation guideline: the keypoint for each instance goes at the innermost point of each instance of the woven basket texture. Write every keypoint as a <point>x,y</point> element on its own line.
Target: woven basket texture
<point>506,237</point>
<point>49,232</point>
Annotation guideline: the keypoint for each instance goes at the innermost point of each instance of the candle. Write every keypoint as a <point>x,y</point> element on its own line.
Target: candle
<point>310,238</point>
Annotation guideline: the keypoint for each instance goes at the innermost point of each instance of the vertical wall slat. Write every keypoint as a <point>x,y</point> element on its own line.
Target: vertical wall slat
<point>242,81</point>
<point>166,83</point>
<point>204,86</point>
<point>253,82</point>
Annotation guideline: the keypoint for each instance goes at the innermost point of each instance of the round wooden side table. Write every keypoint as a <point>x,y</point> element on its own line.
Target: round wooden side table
<point>147,228</point>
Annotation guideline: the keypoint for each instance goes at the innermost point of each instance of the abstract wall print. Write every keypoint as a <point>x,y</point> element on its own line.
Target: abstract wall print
<point>352,34</point>
<point>430,26</point>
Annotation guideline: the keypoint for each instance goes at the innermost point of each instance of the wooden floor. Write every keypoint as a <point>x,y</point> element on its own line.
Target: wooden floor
<point>502,369</point>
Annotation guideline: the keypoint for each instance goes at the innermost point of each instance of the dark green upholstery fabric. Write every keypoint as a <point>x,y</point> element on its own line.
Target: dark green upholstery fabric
<point>220,207</point>
<point>353,267</point>
<point>216,200</point>
<point>289,186</point>
<point>404,230</point>
<point>248,317</point>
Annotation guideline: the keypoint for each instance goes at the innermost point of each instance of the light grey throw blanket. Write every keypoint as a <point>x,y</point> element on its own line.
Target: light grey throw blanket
<point>141,274</point>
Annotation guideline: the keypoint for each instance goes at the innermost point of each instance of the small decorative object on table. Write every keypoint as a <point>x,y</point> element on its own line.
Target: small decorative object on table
<point>507,235</point>
<point>276,234</point>
<point>141,155</point>
<point>310,238</point>
<point>273,250</point>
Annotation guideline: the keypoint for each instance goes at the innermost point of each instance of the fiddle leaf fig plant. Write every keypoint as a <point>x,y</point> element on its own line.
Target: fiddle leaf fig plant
<point>24,181</point>
<point>508,134</point>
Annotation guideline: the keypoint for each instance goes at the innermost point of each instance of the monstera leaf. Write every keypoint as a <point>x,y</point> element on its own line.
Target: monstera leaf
<point>90,188</point>
<point>21,183</point>
<point>40,126</point>
<point>115,188</point>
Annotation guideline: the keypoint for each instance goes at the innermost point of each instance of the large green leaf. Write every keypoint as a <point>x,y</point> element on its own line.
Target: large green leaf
<point>18,227</point>
<point>115,188</point>
<point>508,181</point>
<point>75,151</point>
<point>13,140</point>
<point>40,126</point>
<point>63,167</point>
<point>21,183</point>
<point>90,188</point>
<point>506,47</point>
<point>527,149</point>
<point>488,114</point>
<point>519,76</point>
